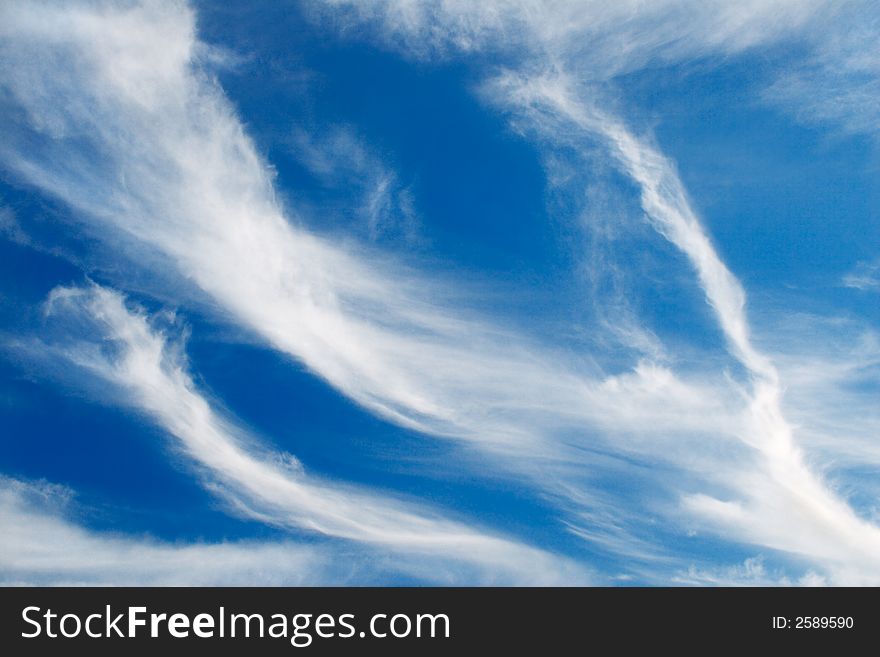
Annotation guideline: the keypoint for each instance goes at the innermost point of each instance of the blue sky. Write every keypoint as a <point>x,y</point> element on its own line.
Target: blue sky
<point>439,293</point>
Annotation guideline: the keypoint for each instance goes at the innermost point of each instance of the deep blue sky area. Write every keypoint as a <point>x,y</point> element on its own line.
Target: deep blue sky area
<point>788,204</point>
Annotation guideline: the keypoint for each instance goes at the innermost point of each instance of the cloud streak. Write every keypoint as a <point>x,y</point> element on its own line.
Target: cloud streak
<point>865,277</point>
<point>604,39</point>
<point>118,346</point>
<point>42,547</point>
<point>341,160</point>
<point>818,524</point>
<point>186,188</point>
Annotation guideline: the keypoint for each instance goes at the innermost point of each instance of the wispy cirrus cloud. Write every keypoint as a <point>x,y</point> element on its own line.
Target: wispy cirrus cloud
<point>46,544</point>
<point>341,160</point>
<point>43,547</point>
<point>10,228</point>
<point>834,79</point>
<point>116,345</point>
<point>606,39</point>
<point>817,522</point>
<point>838,82</point>
<point>865,276</point>
<point>187,186</point>
<point>751,572</point>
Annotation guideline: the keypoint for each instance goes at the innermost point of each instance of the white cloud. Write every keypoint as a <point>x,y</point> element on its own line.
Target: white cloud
<point>838,83</point>
<point>751,572</point>
<point>172,175</point>
<point>44,545</point>
<point>10,228</point>
<point>604,38</point>
<point>41,547</point>
<point>342,160</point>
<point>119,346</point>
<point>186,183</point>
<point>865,276</point>
<point>834,77</point>
<point>785,505</point>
